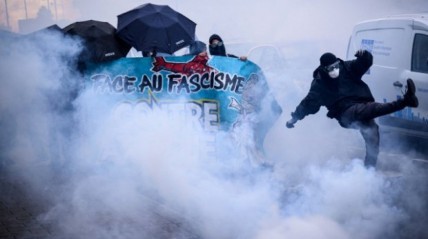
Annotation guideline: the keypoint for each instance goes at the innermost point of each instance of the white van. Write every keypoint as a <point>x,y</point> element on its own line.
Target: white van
<point>399,45</point>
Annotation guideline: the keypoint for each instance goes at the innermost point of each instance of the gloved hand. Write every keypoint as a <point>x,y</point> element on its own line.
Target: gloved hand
<point>290,123</point>
<point>243,58</point>
<point>360,53</point>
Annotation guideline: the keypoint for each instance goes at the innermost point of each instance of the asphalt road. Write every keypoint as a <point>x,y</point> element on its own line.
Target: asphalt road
<point>20,207</point>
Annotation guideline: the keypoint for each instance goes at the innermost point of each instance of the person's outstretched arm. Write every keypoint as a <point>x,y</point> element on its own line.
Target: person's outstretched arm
<point>309,105</point>
<point>363,61</point>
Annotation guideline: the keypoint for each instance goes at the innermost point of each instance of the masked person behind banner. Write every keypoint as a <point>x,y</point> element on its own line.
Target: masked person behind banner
<point>338,86</point>
<point>217,47</point>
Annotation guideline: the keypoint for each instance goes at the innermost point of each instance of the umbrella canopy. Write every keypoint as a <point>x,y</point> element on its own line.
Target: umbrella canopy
<point>101,41</point>
<point>53,27</point>
<point>151,27</point>
<point>49,29</point>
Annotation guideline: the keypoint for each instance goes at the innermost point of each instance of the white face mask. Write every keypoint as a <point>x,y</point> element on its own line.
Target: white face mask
<point>334,73</point>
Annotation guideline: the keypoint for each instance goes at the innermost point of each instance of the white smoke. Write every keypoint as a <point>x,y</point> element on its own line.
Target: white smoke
<point>124,174</point>
<point>110,175</point>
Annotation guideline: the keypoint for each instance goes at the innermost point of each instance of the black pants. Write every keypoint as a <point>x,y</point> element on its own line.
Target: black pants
<point>361,116</point>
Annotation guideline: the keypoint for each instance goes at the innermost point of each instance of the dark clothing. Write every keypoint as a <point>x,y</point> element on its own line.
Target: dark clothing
<point>218,50</point>
<point>340,93</point>
<point>349,100</point>
<point>368,111</point>
<point>361,116</point>
<point>370,132</point>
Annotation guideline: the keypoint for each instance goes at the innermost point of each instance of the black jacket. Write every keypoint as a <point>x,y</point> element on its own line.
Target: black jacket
<point>340,93</point>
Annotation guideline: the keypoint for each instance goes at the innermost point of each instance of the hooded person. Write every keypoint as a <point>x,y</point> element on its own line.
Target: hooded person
<point>217,47</point>
<point>197,47</point>
<point>338,86</point>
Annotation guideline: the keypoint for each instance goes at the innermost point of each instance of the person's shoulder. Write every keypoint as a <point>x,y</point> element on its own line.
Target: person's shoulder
<point>316,81</point>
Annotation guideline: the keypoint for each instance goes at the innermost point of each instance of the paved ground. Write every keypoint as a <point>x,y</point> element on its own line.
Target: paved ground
<point>18,213</point>
<point>19,210</point>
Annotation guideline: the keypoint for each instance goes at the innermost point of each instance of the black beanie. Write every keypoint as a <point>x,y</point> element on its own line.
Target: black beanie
<point>327,59</point>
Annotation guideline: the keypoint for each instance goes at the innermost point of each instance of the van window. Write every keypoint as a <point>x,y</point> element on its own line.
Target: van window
<point>420,53</point>
<point>383,44</point>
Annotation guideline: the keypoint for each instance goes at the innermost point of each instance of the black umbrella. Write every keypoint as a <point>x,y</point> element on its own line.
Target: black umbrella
<point>151,27</point>
<point>101,41</point>
<point>55,29</point>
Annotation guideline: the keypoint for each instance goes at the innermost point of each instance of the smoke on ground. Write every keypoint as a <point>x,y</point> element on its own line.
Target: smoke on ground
<point>105,174</point>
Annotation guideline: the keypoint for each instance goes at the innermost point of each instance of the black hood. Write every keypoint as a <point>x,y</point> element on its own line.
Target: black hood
<point>213,37</point>
<point>218,50</point>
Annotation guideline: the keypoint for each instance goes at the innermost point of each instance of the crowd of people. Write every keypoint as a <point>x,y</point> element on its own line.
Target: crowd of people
<point>216,47</point>
<point>338,86</point>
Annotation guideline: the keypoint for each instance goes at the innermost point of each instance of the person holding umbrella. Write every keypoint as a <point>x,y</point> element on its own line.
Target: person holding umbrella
<point>338,86</point>
<point>100,42</point>
<point>197,48</point>
<point>155,30</point>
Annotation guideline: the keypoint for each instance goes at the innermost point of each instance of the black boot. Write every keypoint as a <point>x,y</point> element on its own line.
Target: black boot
<point>410,98</point>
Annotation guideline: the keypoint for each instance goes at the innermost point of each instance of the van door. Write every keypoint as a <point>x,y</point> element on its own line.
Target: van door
<point>419,73</point>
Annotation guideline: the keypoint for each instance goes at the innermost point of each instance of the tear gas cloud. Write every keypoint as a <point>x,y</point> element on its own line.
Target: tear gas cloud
<point>121,174</point>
